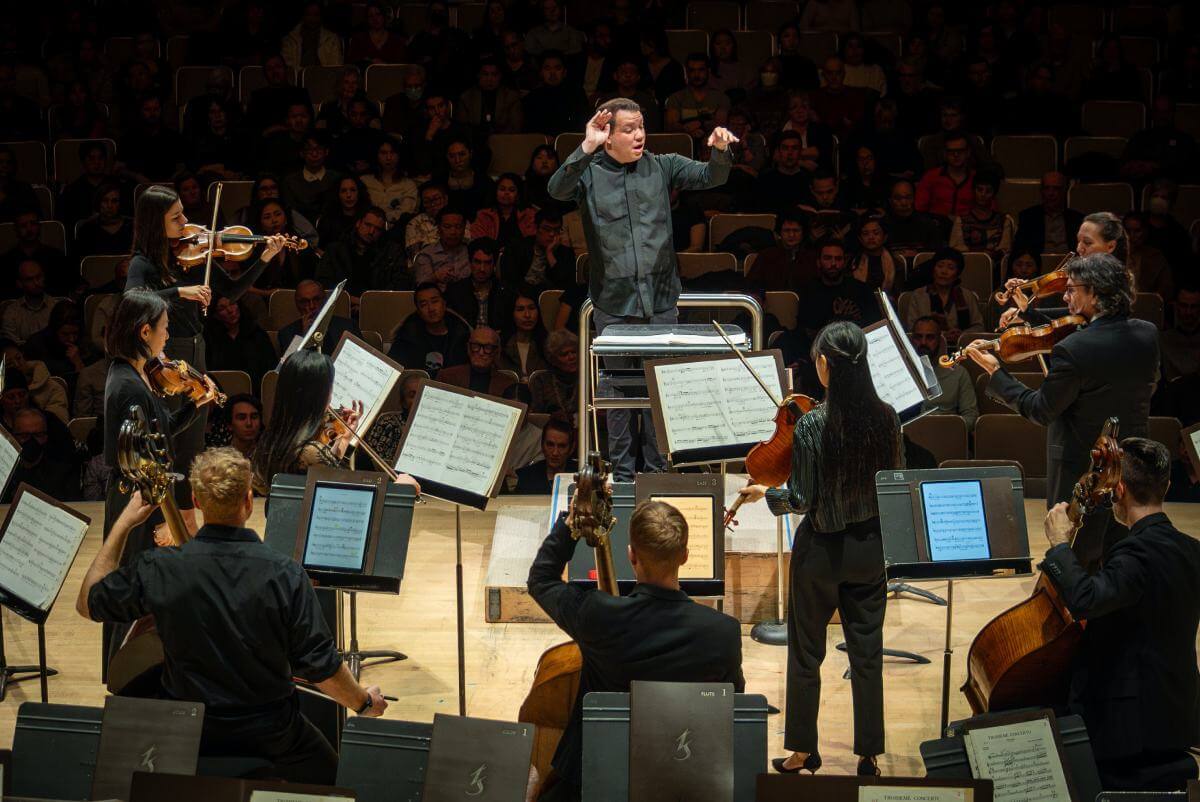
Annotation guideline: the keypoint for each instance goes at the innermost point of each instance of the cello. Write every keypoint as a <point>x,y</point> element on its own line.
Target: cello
<point>555,685</point>
<point>145,465</point>
<point>1022,657</point>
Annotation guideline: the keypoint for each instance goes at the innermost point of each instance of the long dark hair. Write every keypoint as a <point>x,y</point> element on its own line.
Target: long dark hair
<point>301,395</point>
<point>138,307</point>
<point>538,335</point>
<point>862,433</point>
<point>149,233</point>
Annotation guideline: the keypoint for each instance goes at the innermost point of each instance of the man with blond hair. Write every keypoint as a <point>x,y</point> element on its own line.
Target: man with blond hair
<point>654,633</point>
<point>237,620</point>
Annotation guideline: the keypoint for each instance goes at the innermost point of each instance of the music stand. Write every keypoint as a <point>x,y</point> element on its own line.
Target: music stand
<point>991,500</point>
<point>316,331</point>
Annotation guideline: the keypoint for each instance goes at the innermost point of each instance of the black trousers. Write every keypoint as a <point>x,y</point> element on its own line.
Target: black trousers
<point>840,571</point>
<point>283,736</point>
<point>188,443</point>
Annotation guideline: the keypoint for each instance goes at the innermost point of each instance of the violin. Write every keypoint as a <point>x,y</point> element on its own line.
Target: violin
<point>172,377</point>
<point>769,462</point>
<point>1021,342</point>
<point>237,243</point>
<point>336,425</point>
<point>1038,287</point>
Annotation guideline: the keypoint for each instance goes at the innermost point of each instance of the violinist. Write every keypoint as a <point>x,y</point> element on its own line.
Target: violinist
<point>1135,680</point>
<point>1106,369</point>
<point>655,633</point>
<point>157,229</point>
<point>1100,232</point>
<point>137,332</point>
<point>837,554</point>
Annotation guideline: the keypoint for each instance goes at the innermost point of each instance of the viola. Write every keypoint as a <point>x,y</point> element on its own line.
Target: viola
<point>172,377</point>
<point>1038,287</point>
<point>1022,657</point>
<point>236,244</point>
<point>1021,342</point>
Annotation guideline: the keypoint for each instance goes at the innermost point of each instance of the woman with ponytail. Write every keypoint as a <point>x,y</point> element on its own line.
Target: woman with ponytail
<point>837,555</point>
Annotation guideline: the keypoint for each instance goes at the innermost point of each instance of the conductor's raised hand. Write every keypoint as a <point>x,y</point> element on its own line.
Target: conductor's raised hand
<point>721,138</point>
<point>596,133</point>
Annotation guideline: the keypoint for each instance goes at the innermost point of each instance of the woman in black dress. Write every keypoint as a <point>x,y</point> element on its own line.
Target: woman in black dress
<point>837,554</point>
<point>157,226</point>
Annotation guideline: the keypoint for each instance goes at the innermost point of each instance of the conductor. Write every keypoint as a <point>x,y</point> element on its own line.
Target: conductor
<point>624,199</point>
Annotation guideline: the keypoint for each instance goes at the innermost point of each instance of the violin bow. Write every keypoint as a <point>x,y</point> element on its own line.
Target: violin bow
<point>212,239</point>
<point>749,367</point>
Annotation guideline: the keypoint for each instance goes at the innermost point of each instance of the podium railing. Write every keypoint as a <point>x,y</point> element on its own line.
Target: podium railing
<point>589,403</point>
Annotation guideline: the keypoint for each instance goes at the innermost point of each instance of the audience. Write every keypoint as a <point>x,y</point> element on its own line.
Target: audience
<point>234,341</point>
<point>524,350</point>
<point>60,278</point>
<point>909,231</point>
<point>1180,344</point>
<point>481,373</point>
<point>982,228</point>
<point>955,308</point>
<point>787,265</point>
<point>446,260</point>
<point>557,389</point>
<point>1050,226</point>
<point>478,299</point>
<point>540,260</point>
<point>308,189</point>
<point>30,311</point>
<point>506,217</point>
<point>342,208</point>
<point>430,339</point>
<point>309,298</point>
<point>387,185</point>
<point>957,396</point>
<point>363,260</point>
<point>558,441</point>
<point>949,190</point>
<point>874,264</point>
<point>45,463</point>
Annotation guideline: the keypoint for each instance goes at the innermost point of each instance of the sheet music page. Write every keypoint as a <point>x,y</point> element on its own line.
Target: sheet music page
<point>902,793</point>
<point>893,382</point>
<point>1195,438</point>
<point>909,351</point>
<point>716,403</point>
<point>458,440</point>
<point>37,550</point>
<point>292,796</point>
<point>8,460</point>
<point>338,527</point>
<point>698,512</point>
<point>1020,759</point>
<point>360,375</point>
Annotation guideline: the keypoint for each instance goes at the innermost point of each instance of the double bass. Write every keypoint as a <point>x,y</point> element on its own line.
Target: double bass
<point>1022,657</point>
<point>556,678</point>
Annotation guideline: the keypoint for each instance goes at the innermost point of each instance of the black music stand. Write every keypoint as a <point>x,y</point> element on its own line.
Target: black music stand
<point>11,675</point>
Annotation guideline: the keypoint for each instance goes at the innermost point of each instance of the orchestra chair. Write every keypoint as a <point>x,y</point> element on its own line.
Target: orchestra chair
<point>548,303</point>
<point>1017,194</point>
<point>235,196</point>
<point>267,393</point>
<point>721,226</point>
<point>1111,146</point>
<point>565,144</point>
<point>1012,437</point>
<point>80,428</point>
<point>694,265</point>
<point>680,42</point>
<point>66,158</point>
<point>756,46</point>
<point>943,435</point>
<point>384,310</point>
<point>52,234</point>
<point>510,152</point>
<point>322,83</point>
<point>372,338</point>
<point>31,161</point>
<point>1148,306</point>
<point>783,304</point>
<point>1115,197</point>
<point>1026,156</point>
<point>468,16</point>
<point>232,382</point>
<point>384,80</point>
<point>99,269</point>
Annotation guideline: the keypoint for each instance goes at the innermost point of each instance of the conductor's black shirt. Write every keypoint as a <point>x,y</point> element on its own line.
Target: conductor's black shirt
<point>237,619</point>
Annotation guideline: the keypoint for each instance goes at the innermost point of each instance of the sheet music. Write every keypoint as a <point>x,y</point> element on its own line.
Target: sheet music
<point>910,352</point>
<point>716,403</point>
<point>1020,759</point>
<point>698,512</point>
<point>37,550</point>
<point>955,521</point>
<point>292,796</point>
<point>1195,438</point>
<point>458,440</point>
<point>338,527</point>
<point>8,460</point>
<point>890,375</point>
<point>359,375</point>
<point>903,793</point>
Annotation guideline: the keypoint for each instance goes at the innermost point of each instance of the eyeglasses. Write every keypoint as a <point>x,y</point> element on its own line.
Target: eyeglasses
<point>483,348</point>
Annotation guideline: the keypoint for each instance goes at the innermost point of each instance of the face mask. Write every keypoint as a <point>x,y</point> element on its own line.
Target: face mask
<point>1159,205</point>
<point>414,92</point>
<point>32,451</point>
<point>768,78</point>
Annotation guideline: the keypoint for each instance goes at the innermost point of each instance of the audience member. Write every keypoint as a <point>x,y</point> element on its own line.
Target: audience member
<point>982,228</point>
<point>77,199</point>
<point>151,151</point>
<point>234,341</point>
<point>1180,344</point>
<point>866,189</point>
<point>957,396</point>
<point>429,339</point>
<point>834,16</point>
<point>835,294</point>
<point>469,184</point>
<point>269,104</point>
<point>310,43</point>
<point>816,140</point>
<point>422,230</point>
<point>363,260</point>
<point>859,72</point>
<point>41,463</point>
<point>557,389</point>
<point>478,298</point>
<point>789,264</point>
<point>266,187</point>
<point>1163,230</point>
<point>783,185</point>
<point>799,72</point>
<point>440,49</point>
<point>1050,226</point>
<point>334,117</point>
<point>666,75</point>
<point>343,206</point>
<point>520,72</point>
<point>873,264</point>
<point>767,99</point>
<point>61,278</point>
<point>29,312</point>
<point>376,44</point>
<point>389,188</point>
<point>281,149</point>
<point>949,190</point>
<point>841,107</point>
<point>432,134</point>
<point>489,107</point>
<point>1113,77</point>
<point>909,231</point>
<point>27,383</point>
<point>828,215</point>
<point>445,261</point>
<point>727,73</point>
<point>540,260</point>
<point>218,145</point>
<point>543,163</point>
<point>309,189</point>
<point>558,440</point>
<point>555,105</point>
<point>1163,149</point>
<point>945,299</point>
<point>481,372</point>
<point>286,267</point>
<point>309,298</point>
<point>553,34</point>
<point>524,350</point>
<point>1146,263</point>
<point>107,231</point>
<point>1039,108</point>
<point>627,82</point>
<point>357,146</point>
<point>506,217</point>
<point>61,346</point>
<point>244,426</point>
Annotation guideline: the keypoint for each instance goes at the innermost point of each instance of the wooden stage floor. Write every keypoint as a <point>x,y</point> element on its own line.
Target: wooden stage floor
<point>501,657</point>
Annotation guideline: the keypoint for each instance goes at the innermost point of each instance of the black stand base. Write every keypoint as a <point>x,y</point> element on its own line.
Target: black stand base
<point>910,656</point>
<point>772,633</point>
<point>896,588</point>
<point>356,658</point>
<point>11,675</point>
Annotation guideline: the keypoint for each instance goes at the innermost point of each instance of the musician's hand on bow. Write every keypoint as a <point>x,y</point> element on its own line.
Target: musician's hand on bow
<point>274,244</point>
<point>1057,525</point>
<point>596,134</point>
<point>983,359</point>
<point>198,293</point>
<point>721,138</point>
<point>1011,317</point>
<point>752,493</point>
<point>378,703</point>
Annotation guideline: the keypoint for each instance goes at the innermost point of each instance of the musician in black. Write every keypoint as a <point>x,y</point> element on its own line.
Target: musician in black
<point>137,332</point>
<point>237,621</point>
<point>1106,369</point>
<point>837,553</point>
<point>158,226</point>
<point>655,633</point>
<point>1135,680</point>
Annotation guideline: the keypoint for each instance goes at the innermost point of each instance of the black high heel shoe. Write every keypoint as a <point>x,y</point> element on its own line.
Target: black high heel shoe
<point>811,764</point>
<point>867,767</point>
